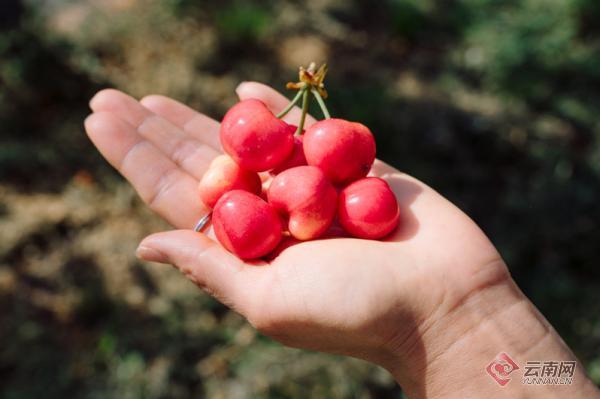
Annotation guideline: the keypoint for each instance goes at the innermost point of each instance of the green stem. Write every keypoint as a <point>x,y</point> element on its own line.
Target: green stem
<point>321,103</point>
<point>304,111</point>
<point>289,107</point>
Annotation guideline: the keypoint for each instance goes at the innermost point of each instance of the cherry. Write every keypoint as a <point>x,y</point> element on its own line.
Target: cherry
<point>307,198</point>
<point>254,137</point>
<point>246,225</point>
<point>344,150</point>
<point>296,158</point>
<point>305,167</point>
<point>368,208</point>
<point>224,175</point>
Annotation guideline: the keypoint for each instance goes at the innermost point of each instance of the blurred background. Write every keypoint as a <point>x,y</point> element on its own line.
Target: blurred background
<point>493,103</point>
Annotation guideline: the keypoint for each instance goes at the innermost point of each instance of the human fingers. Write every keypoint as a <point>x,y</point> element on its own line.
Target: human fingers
<point>191,154</point>
<point>160,182</point>
<point>194,123</point>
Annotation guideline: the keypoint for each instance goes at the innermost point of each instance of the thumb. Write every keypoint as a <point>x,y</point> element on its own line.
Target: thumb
<point>205,262</point>
<point>273,99</point>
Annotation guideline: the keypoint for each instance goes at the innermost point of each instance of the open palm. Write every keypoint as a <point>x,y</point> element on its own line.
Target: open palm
<point>339,295</point>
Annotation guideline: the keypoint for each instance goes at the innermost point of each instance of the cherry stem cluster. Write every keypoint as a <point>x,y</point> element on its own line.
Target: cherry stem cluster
<point>310,84</point>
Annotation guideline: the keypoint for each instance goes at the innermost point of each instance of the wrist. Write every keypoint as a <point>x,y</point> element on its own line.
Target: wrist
<point>448,353</point>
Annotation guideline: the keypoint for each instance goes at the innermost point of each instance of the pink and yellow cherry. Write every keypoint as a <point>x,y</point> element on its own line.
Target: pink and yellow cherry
<point>224,175</point>
<point>254,137</point>
<point>368,208</point>
<point>246,225</point>
<point>296,158</point>
<point>344,150</point>
<point>305,196</point>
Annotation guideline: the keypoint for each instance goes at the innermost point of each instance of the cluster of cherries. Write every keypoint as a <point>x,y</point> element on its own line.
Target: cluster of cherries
<point>313,176</point>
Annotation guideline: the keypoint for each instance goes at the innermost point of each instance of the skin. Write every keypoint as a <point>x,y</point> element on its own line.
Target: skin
<point>433,303</point>
<point>368,208</point>
<point>224,175</point>
<point>306,198</point>
<point>344,150</point>
<point>246,225</point>
<point>254,137</point>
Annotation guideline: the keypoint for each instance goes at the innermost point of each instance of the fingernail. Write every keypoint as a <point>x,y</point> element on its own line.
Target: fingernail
<point>92,100</point>
<point>237,89</point>
<point>151,254</point>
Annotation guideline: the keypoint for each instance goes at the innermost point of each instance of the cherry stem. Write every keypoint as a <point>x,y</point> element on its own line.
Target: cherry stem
<point>289,107</point>
<point>305,104</point>
<point>321,103</point>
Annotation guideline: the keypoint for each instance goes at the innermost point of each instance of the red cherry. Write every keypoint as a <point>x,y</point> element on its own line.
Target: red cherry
<point>344,150</point>
<point>296,158</point>
<point>254,137</point>
<point>305,196</point>
<point>224,175</point>
<point>368,208</point>
<point>246,225</point>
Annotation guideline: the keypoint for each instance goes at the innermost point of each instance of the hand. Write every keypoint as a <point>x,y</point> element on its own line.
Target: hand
<point>382,301</point>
